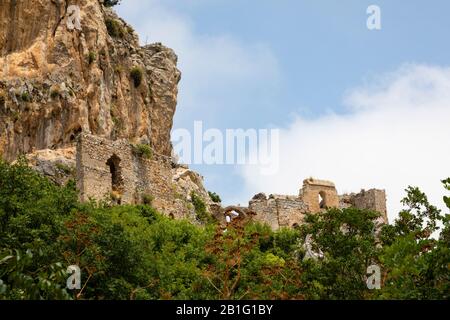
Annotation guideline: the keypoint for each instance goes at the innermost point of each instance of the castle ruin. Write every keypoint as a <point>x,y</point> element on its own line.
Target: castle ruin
<point>113,169</point>
<point>289,211</point>
<point>70,103</point>
<point>107,169</point>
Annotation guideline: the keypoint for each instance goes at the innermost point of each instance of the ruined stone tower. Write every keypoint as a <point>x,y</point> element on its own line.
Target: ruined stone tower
<point>316,195</point>
<point>319,194</point>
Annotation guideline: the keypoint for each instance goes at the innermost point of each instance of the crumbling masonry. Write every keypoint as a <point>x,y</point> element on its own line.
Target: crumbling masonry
<point>109,169</point>
<point>112,169</point>
<point>316,195</point>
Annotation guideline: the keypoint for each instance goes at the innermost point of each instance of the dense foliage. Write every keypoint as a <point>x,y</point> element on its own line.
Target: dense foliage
<point>133,252</point>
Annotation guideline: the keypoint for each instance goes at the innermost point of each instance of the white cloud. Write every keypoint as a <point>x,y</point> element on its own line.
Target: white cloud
<point>396,133</point>
<point>214,66</point>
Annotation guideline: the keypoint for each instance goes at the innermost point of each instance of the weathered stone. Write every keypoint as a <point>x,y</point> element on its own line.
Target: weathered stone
<point>62,82</point>
<point>260,196</point>
<point>372,199</point>
<point>109,169</point>
<point>288,211</point>
<point>57,165</point>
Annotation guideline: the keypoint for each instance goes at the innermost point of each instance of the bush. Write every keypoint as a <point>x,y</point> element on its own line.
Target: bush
<point>133,252</point>
<point>91,57</point>
<point>2,99</point>
<point>66,169</point>
<point>15,116</point>
<point>32,211</point>
<point>118,69</point>
<point>147,199</point>
<point>118,123</point>
<point>143,150</point>
<point>114,28</point>
<point>214,197</point>
<point>200,209</point>
<point>111,3</point>
<point>25,97</point>
<point>136,74</point>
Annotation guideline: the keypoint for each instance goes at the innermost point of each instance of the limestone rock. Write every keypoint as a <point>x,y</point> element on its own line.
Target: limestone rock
<point>188,181</point>
<point>56,82</point>
<point>58,165</point>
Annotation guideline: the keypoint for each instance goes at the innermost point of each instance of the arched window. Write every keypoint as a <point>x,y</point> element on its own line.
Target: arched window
<point>322,200</point>
<point>116,173</point>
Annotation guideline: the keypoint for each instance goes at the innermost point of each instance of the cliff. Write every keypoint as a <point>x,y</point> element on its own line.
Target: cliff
<point>57,81</point>
<point>79,96</point>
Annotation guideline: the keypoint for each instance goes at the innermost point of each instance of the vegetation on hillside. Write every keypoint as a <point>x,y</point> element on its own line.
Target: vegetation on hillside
<point>110,3</point>
<point>133,252</point>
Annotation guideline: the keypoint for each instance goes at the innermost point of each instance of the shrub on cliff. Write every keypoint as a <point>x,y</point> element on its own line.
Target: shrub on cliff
<point>200,209</point>
<point>111,3</point>
<point>143,150</point>
<point>91,57</point>
<point>214,197</point>
<point>2,99</point>
<point>136,75</point>
<point>114,28</point>
<point>25,97</point>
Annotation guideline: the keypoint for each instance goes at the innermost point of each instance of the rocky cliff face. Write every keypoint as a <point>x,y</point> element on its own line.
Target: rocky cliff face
<point>57,81</point>
<point>62,78</point>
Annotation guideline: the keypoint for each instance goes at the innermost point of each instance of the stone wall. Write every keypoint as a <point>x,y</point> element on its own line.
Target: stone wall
<point>287,211</point>
<point>319,194</point>
<point>111,170</point>
<point>265,209</point>
<point>372,199</point>
<point>94,177</point>
<point>278,211</point>
<point>291,210</point>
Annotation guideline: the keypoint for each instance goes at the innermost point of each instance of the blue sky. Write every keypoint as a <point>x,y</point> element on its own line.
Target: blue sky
<point>308,68</point>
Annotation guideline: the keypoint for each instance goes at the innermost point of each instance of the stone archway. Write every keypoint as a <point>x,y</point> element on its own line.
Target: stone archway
<point>116,173</point>
<point>319,195</point>
<point>322,200</point>
<point>236,212</point>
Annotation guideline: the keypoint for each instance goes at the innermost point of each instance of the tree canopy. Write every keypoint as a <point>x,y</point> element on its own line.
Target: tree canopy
<point>134,252</point>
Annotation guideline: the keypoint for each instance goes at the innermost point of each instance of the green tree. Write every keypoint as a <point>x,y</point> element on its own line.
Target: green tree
<point>32,210</point>
<point>347,238</point>
<point>416,264</point>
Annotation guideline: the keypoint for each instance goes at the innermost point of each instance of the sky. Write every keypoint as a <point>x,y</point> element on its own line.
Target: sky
<point>363,108</point>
